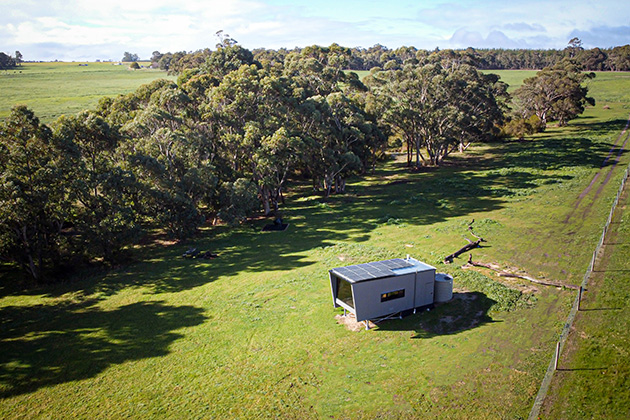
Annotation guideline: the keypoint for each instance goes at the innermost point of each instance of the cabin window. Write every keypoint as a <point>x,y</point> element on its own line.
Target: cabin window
<point>344,292</point>
<point>397,294</point>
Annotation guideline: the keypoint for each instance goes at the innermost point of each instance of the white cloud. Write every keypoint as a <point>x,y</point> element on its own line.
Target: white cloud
<point>93,27</point>
<point>495,39</point>
<point>524,27</point>
<point>603,36</point>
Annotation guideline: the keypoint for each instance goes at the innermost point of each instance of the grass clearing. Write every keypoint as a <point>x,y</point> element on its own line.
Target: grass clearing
<point>252,334</point>
<point>54,89</point>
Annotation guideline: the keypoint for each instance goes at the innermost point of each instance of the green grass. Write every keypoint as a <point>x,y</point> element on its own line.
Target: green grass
<point>53,89</point>
<point>514,78</point>
<point>610,89</point>
<point>252,334</point>
<point>360,73</point>
<point>594,376</point>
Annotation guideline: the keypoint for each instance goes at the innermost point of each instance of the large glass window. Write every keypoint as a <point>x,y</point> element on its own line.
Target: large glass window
<point>344,292</point>
<point>397,294</point>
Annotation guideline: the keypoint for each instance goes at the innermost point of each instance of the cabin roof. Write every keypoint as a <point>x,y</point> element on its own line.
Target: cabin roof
<point>380,269</point>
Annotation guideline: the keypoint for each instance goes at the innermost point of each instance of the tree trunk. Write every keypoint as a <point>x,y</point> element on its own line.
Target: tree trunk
<point>327,186</point>
<point>340,185</point>
<point>264,196</point>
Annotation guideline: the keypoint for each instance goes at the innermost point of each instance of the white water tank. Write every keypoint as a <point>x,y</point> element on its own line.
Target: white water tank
<point>443,291</point>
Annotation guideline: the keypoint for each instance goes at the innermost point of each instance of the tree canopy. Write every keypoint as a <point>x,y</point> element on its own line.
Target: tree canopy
<point>226,141</point>
<point>555,93</point>
<point>438,109</point>
<point>7,62</point>
<point>130,57</point>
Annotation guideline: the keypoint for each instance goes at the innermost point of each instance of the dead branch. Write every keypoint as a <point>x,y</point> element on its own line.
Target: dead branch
<point>473,233</point>
<point>471,245</point>
<point>503,273</point>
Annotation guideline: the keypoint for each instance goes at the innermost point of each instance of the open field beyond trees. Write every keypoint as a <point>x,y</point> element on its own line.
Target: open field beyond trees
<point>53,89</point>
<point>253,334</point>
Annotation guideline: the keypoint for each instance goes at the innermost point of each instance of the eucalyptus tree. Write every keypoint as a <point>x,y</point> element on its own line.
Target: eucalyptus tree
<point>119,110</point>
<point>337,134</point>
<point>6,61</point>
<point>254,113</point>
<point>404,99</point>
<point>618,58</point>
<point>170,159</point>
<point>168,150</point>
<point>554,93</point>
<point>482,103</point>
<point>103,193</point>
<point>227,58</point>
<point>317,70</point>
<point>436,110</point>
<point>34,205</point>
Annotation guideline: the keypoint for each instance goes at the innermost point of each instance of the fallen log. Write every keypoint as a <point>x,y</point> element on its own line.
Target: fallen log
<point>471,245</point>
<point>544,283</point>
<point>503,273</point>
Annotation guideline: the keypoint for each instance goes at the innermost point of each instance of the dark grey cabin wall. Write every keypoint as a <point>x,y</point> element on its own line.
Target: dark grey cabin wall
<point>367,296</point>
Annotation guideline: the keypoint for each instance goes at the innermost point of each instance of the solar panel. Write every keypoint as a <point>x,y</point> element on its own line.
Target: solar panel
<point>372,270</point>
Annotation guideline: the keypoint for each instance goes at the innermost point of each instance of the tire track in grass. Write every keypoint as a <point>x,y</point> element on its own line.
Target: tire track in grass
<point>598,258</point>
<point>577,357</point>
<point>621,149</point>
<point>590,186</point>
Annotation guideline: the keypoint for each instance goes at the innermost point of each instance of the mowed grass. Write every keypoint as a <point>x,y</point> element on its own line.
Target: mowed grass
<point>252,334</point>
<point>54,89</point>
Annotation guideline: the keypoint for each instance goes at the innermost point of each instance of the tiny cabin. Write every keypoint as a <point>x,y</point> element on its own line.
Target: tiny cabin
<point>379,289</point>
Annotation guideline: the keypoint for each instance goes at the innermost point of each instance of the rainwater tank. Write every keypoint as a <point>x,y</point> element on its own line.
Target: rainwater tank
<point>443,288</point>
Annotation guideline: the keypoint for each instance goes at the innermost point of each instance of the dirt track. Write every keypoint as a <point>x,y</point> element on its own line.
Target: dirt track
<point>605,167</point>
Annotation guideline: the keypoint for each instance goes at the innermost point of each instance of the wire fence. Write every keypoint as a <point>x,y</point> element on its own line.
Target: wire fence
<point>553,364</point>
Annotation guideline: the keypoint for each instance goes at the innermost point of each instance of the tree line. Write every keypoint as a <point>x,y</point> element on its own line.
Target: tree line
<point>224,141</point>
<point>381,57</point>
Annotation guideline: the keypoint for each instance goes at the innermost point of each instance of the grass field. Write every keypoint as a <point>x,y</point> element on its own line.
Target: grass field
<point>252,334</point>
<point>53,89</point>
<point>593,376</point>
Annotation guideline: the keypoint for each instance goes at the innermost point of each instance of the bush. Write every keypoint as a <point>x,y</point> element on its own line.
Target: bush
<point>520,127</point>
<point>506,298</point>
<point>238,200</point>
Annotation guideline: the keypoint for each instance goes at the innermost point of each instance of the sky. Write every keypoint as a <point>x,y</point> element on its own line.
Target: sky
<point>87,30</point>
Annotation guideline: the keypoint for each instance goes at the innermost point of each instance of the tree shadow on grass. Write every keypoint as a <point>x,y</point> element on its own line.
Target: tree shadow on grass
<point>426,198</point>
<point>475,184</point>
<point>467,310</point>
<point>44,345</point>
<point>602,127</point>
<point>551,153</point>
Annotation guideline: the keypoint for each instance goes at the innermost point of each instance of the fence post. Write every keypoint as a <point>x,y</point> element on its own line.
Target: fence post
<point>555,365</point>
<point>544,386</point>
